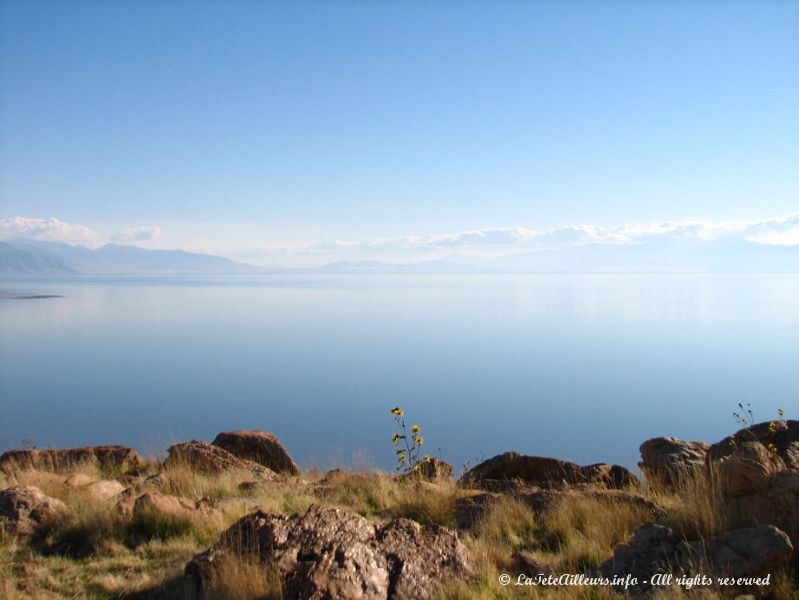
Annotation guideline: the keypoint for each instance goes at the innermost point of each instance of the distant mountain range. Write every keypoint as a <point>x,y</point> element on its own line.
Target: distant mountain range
<point>28,257</point>
<point>659,256</point>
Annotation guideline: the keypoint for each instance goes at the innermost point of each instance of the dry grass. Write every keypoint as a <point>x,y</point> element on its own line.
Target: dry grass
<point>89,528</point>
<point>695,508</point>
<point>27,574</point>
<point>51,484</point>
<point>381,497</point>
<point>573,536</point>
<point>426,503</point>
<point>785,587</point>
<point>583,530</point>
<point>96,553</point>
<point>369,495</point>
<point>508,526</point>
<point>183,481</point>
<point>242,579</point>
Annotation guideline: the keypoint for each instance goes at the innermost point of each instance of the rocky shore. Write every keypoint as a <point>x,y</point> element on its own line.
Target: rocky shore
<point>237,518</point>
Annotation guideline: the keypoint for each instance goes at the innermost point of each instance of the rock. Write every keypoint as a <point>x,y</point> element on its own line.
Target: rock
<point>748,552</point>
<point>435,468</point>
<point>757,490</point>
<point>24,509</point>
<point>421,557</point>
<point>667,459</point>
<point>129,480</point>
<point>751,552</point>
<point>526,564</point>
<point>125,505</point>
<point>163,504</point>
<point>213,460</point>
<point>127,497</point>
<point>784,435</point>
<point>260,447</point>
<point>77,480</point>
<point>470,509</point>
<point>159,480</point>
<point>545,472</point>
<point>112,459</point>
<point>105,489</point>
<point>748,470</point>
<point>333,553</point>
<point>613,477</point>
<point>791,455</point>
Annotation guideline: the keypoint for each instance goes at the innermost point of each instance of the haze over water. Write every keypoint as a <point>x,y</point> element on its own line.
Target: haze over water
<point>577,367</point>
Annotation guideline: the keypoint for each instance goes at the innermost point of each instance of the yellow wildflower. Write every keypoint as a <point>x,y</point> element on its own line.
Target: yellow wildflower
<point>397,411</point>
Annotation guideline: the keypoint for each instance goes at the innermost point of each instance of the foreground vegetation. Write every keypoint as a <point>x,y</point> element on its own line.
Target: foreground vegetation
<point>97,552</point>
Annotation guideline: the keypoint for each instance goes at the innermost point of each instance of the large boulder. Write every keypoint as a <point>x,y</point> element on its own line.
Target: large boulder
<point>667,460</point>
<point>782,436</point>
<point>24,509</point>
<point>333,553</point>
<point>260,447</point>
<point>757,489</point>
<point>213,460</point>
<point>470,509</point>
<point>747,470</point>
<point>103,490</point>
<point>545,472</point>
<point>111,459</point>
<point>421,557</point>
<point>751,552</point>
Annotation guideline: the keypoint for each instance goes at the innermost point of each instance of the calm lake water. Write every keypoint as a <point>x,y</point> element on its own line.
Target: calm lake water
<point>578,367</point>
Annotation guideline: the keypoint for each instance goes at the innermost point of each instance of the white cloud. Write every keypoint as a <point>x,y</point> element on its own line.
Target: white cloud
<point>498,241</point>
<point>138,234</point>
<point>48,230</point>
<point>775,232</point>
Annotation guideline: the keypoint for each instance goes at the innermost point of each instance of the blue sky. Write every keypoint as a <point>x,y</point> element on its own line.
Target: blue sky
<point>257,130</point>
